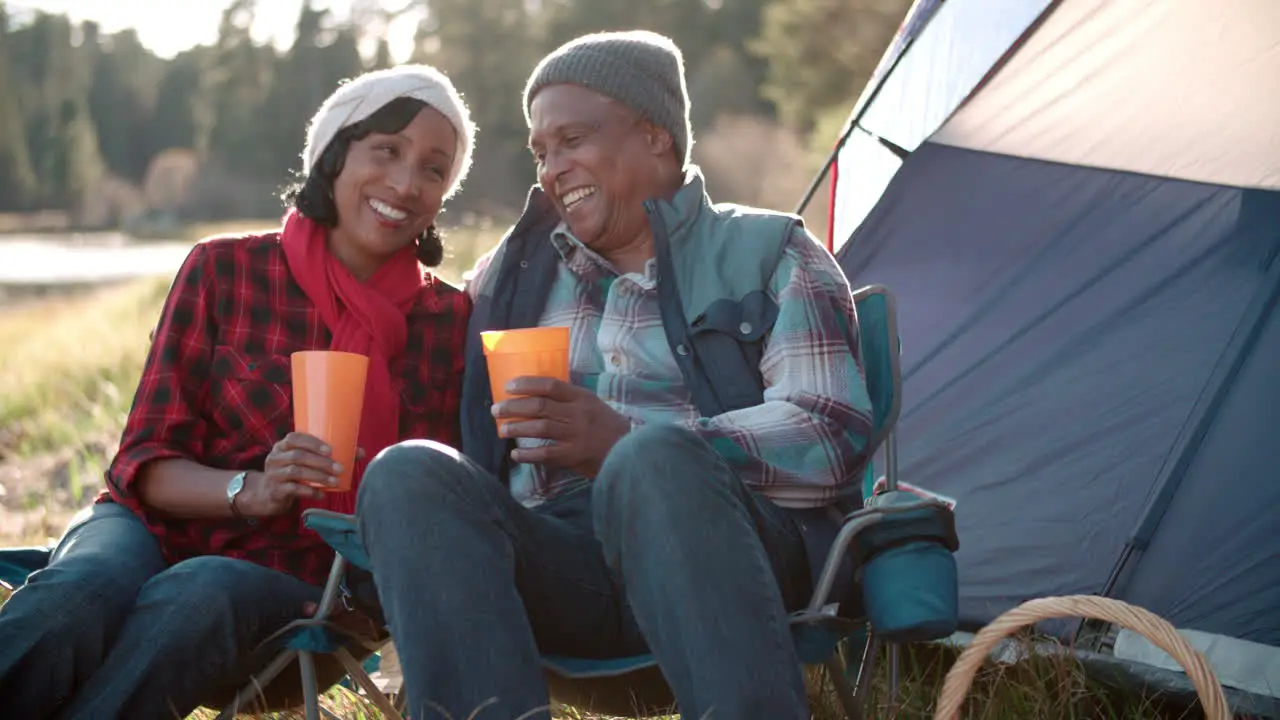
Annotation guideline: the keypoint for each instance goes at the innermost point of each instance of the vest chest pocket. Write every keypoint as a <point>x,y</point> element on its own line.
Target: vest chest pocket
<point>728,340</point>
<point>250,394</point>
<point>745,320</point>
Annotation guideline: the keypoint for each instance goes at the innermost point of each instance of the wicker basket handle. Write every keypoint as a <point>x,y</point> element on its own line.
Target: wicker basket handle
<point>1154,628</point>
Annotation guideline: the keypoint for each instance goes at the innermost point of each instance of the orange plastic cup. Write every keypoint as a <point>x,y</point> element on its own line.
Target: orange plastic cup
<point>328,397</point>
<point>541,352</point>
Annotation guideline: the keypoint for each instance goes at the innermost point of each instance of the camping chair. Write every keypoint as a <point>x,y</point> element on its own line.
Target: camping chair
<point>902,547</point>
<point>310,640</point>
<point>19,562</point>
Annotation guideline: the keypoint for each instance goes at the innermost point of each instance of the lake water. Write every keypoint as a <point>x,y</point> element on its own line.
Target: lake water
<point>85,258</point>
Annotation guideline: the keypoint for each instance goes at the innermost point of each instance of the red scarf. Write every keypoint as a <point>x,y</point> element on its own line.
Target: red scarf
<point>366,318</point>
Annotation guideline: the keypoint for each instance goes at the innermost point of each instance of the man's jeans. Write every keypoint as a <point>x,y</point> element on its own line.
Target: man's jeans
<point>108,631</point>
<point>666,552</point>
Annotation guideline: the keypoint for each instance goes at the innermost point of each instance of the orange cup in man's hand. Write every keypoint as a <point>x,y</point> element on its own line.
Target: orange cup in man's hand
<point>538,352</point>
<point>328,397</point>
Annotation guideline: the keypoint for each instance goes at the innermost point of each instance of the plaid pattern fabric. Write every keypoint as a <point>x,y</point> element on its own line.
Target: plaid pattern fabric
<point>799,447</point>
<point>216,389</point>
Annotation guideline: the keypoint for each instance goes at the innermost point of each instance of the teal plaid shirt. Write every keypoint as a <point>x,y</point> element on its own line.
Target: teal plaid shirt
<point>801,445</point>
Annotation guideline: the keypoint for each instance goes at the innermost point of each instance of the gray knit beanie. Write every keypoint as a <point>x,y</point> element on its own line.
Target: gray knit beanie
<point>356,100</point>
<point>640,69</point>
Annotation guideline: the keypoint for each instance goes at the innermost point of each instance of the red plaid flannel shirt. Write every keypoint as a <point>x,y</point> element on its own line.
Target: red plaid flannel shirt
<point>216,390</point>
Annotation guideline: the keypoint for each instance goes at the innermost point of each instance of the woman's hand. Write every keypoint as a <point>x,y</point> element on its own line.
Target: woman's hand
<point>297,467</point>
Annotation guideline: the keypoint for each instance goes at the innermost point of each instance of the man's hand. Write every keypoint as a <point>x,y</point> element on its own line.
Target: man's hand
<point>582,427</point>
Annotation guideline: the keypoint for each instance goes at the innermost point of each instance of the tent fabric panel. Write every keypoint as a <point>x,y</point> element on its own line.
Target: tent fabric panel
<point>864,168</point>
<point>1249,666</point>
<point>1058,324</point>
<point>917,18</point>
<point>1186,89</point>
<point>958,47</point>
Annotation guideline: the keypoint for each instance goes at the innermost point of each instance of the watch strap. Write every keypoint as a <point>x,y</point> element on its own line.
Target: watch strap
<point>231,496</point>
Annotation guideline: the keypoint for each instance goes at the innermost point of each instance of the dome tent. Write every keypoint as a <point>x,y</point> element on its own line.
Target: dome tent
<point>1077,206</point>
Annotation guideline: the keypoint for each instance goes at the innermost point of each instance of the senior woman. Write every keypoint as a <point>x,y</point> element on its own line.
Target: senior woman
<point>157,595</point>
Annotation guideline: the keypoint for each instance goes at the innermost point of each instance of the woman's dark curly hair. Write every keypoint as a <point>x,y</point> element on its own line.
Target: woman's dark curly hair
<point>313,195</point>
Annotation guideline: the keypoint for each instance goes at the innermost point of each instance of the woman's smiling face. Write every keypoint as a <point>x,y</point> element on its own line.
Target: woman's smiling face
<point>390,190</point>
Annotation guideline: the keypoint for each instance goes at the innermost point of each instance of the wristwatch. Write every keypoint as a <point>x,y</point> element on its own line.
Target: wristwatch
<point>233,489</point>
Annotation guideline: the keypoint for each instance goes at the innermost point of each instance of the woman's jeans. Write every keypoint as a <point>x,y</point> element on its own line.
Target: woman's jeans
<point>108,630</point>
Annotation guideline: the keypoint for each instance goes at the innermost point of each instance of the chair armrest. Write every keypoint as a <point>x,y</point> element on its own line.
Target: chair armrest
<point>855,523</point>
<point>19,562</point>
<point>339,532</point>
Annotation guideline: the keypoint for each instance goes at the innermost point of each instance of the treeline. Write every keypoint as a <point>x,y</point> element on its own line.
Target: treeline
<point>96,125</point>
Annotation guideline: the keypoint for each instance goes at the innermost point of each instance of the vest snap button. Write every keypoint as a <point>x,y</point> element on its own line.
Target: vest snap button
<point>682,349</point>
<point>745,328</point>
<point>524,264</point>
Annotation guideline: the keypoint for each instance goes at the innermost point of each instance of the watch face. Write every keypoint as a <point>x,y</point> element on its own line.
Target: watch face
<point>236,484</point>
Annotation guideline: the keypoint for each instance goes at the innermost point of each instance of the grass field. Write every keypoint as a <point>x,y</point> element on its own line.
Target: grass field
<point>1042,688</point>
<point>68,367</point>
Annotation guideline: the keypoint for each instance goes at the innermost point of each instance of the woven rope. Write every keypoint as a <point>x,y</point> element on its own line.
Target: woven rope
<point>1154,628</point>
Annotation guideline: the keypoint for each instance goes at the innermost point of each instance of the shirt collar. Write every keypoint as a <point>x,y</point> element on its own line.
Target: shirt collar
<point>571,247</point>
<point>564,241</point>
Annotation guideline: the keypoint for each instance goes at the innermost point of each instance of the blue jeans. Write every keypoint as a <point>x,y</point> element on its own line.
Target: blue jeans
<point>666,552</point>
<point>107,630</point>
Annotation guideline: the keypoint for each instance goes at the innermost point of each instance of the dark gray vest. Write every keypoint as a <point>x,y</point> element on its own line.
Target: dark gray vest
<point>714,263</point>
<point>714,267</point>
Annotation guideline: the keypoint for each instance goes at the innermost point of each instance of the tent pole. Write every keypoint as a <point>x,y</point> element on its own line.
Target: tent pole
<point>1196,426</point>
<point>822,174</point>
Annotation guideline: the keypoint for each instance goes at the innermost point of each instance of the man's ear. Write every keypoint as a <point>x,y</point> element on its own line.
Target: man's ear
<point>660,141</point>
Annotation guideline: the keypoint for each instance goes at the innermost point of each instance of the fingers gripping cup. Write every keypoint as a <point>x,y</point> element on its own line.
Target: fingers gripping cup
<point>542,352</point>
<point>328,397</point>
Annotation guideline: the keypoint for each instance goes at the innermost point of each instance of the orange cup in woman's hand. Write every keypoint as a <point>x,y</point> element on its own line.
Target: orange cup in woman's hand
<point>537,352</point>
<point>328,397</point>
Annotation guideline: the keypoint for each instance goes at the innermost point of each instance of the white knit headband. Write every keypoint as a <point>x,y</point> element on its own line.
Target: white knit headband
<point>357,99</point>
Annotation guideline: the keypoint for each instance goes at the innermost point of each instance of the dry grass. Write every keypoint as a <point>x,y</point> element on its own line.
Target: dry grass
<point>69,365</point>
<point>1042,687</point>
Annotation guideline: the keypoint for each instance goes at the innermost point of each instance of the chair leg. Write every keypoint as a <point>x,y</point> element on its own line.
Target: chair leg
<point>867,668</point>
<point>852,698</point>
<point>361,678</point>
<point>401,702</point>
<point>256,683</point>
<point>836,670</point>
<point>894,665</point>
<point>310,691</point>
